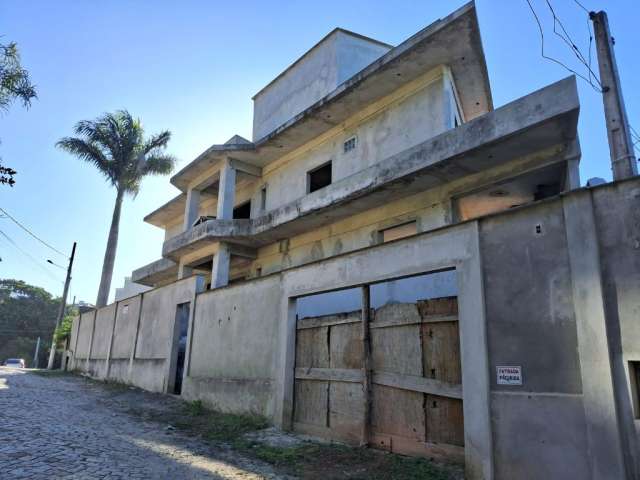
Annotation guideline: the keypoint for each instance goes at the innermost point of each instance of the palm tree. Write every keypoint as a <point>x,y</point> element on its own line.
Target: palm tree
<point>115,144</point>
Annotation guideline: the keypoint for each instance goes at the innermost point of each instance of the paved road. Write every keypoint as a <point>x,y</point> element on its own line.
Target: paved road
<point>68,428</point>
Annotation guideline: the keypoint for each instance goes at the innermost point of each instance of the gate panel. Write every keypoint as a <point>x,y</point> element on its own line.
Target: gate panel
<point>328,395</point>
<point>416,391</point>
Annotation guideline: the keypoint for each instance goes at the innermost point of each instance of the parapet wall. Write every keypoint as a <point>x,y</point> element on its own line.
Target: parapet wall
<point>133,341</point>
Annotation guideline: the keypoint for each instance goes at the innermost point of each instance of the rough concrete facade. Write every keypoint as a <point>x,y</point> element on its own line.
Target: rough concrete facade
<point>336,58</point>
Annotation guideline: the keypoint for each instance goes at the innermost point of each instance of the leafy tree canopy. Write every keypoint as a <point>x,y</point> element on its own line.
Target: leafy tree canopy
<point>15,84</point>
<point>26,313</point>
<point>115,144</point>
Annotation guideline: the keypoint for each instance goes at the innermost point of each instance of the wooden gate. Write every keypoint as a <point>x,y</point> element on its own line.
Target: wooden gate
<point>410,401</point>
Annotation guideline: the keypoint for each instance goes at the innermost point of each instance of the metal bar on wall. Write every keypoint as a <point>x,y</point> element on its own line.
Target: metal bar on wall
<point>366,363</point>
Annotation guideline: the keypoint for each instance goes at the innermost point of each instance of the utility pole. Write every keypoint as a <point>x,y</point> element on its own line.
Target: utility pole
<point>52,353</point>
<point>35,355</point>
<point>623,160</point>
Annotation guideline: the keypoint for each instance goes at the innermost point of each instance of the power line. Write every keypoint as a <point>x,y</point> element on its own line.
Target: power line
<point>582,7</point>
<point>575,49</point>
<point>586,61</point>
<point>36,262</point>
<point>32,234</point>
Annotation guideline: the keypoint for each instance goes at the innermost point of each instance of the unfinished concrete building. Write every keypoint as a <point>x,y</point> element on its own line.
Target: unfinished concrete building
<point>392,261</point>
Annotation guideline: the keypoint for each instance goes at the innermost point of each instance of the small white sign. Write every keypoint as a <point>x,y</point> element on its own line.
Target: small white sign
<point>509,375</point>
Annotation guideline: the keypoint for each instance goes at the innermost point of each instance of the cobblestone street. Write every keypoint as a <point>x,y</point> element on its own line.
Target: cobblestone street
<point>66,427</point>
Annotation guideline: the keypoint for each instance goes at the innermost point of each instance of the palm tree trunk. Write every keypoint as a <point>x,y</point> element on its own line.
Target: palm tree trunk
<point>110,253</point>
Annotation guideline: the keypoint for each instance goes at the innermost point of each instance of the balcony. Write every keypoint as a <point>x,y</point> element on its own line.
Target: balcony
<point>543,119</point>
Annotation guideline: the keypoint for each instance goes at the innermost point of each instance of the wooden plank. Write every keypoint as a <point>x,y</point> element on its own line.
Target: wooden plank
<point>345,345</point>
<point>396,314</point>
<point>346,410</point>
<point>414,321</point>
<point>438,306</point>
<point>418,384</point>
<point>328,320</point>
<point>311,400</point>
<point>441,352</point>
<point>397,412</point>
<point>322,432</point>
<point>445,420</point>
<point>397,350</point>
<point>407,446</point>
<point>329,374</point>
<point>312,348</point>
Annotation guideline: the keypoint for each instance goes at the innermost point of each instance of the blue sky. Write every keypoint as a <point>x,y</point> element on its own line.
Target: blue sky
<point>192,67</point>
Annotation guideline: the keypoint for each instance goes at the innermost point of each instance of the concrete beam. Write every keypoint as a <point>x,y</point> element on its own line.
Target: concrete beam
<point>154,272</point>
<point>245,167</point>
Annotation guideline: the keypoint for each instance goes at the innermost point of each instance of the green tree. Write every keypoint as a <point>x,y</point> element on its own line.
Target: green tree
<point>115,144</point>
<point>63,332</point>
<point>26,313</point>
<point>14,84</point>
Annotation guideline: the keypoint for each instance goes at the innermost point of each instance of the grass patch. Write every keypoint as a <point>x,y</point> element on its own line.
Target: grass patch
<point>334,461</point>
<point>212,425</point>
<point>280,456</point>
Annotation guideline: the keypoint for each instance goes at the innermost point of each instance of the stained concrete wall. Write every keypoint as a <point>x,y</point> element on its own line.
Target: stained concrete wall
<point>555,424</point>
<point>126,325</point>
<point>233,347</point>
<point>102,332</point>
<point>531,324</point>
<point>431,209</point>
<point>551,287</point>
<point>133,341</point>
<point>332,61</point>
<point>617,216</point>
<point>392,127</point>
<point>85,332</point>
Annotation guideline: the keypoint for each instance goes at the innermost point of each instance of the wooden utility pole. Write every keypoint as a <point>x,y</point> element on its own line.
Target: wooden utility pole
<point>52,353</point>
<point>623,160</point>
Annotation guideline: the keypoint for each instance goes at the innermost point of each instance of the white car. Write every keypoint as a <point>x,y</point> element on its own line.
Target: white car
<point>14,363</point>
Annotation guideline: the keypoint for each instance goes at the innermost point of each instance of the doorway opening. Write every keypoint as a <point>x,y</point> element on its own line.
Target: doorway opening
<point>182,323</point>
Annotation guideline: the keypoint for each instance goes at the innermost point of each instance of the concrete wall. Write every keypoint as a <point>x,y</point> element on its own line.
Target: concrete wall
<point>522,281</point>
<point>431,209</point>
<point>531,324</point>
<point>126,325</point>
<point>85,334</point>
<point>233,347</point>
<point>333,60</point>
<point>384,129</point>
<point>551,287</point>
<point>133,341</point>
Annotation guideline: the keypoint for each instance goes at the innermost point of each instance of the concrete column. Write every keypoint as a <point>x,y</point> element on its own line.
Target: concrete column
<point>220,268</point>
<point>113,332</point>
<point>184,271</point>
<point>603,430</point>
<point>191,208</point>
<point>132,356</point>
<point>226,191</point>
